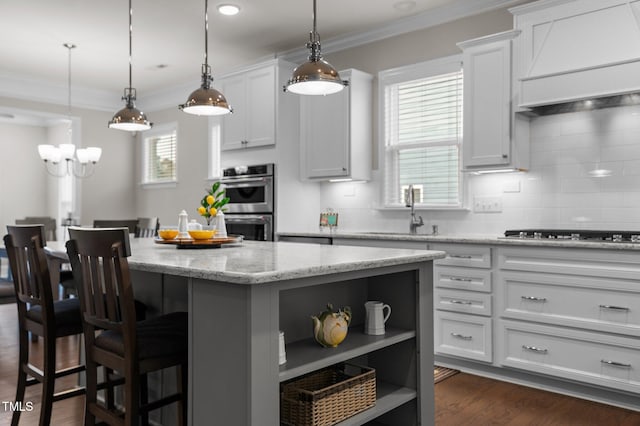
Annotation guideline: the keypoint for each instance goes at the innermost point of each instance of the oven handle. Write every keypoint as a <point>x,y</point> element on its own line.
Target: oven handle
<point>246,181</point>
<point>247,219</point>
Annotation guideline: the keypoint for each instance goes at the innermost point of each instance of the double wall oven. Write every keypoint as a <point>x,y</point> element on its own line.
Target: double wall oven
<point>251,209</point>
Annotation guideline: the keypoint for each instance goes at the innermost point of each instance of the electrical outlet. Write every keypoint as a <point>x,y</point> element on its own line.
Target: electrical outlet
<point>487,204</point>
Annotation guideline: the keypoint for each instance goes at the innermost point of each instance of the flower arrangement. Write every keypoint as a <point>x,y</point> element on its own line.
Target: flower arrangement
<point>212,202</point>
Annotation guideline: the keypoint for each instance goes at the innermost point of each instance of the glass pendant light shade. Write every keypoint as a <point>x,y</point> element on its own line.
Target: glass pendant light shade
<point>316,76</point>
<point>206,100</point>
<point>130,118</point>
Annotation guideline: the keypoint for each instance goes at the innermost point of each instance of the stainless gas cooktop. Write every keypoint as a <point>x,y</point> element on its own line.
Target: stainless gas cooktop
<point>575,234</point>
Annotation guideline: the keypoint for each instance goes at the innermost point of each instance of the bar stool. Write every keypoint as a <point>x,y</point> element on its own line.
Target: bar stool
<point>40,315</point>
<point>113,338</point>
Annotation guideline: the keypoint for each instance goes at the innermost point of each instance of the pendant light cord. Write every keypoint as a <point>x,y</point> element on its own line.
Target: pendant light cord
<point>130,43</point>
<point>206,33</point>
<point>69,46</point>
<point>207,79</point>
<point>314,39</point>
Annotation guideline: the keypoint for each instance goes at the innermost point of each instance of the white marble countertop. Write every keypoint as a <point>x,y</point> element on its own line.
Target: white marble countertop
<point>254,262</point>
<point>468,239</point>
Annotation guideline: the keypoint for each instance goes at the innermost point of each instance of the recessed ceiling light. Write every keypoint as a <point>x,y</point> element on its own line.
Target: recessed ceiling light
<point>404,5</point>
<point>228,9</point>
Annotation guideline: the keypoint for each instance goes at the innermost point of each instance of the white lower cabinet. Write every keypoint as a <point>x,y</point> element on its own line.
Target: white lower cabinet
<point>570,313</point>
<point>462,302</point>
<point>463,335</point>
<point>596,358</point>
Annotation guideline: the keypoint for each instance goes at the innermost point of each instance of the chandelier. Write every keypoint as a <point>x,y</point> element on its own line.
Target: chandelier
<point>80,165</point>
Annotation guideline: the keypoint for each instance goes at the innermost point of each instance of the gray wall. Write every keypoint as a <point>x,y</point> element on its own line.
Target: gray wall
<point>25,187</point>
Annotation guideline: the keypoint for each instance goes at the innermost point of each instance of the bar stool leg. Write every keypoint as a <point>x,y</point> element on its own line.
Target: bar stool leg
<point>49,380</point>
<point>22,376</point>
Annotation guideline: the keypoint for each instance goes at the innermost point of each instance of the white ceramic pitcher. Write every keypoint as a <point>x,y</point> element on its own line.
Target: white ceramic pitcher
<point>375,317</point>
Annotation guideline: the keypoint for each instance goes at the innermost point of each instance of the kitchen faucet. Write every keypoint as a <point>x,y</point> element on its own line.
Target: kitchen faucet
<point>414,222</point>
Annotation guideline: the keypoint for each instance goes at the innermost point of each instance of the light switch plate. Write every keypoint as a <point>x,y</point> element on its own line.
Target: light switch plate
<point>487,204</point>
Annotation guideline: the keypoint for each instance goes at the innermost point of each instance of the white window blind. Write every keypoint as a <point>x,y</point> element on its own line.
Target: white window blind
<point>423,133</point>
<point>160,157</point>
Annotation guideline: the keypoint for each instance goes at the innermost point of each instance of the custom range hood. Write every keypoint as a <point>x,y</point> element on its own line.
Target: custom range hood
<point>576,55</point>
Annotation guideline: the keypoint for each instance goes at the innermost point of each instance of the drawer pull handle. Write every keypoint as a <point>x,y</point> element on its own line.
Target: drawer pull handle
<point>534,298</point>
<point>461,336</point>
<point>460,256</point>
<point>615,308</point>
<point>615,363</point>
<point>461,302</point>
<point>534,349</point>
<point>466,280</point>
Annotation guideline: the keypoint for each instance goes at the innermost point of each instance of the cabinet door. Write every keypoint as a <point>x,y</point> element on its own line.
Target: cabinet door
<point>324,129</point>
<point>261,107</point>
<point>233,125</point>
<point>487,107</point>
<point>253,98</point>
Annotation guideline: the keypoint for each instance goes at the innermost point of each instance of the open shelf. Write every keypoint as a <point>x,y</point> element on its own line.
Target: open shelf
<point>388,397</point>
<point>307,355</point>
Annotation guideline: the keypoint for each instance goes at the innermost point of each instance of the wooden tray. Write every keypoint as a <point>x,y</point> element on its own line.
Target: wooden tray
<point>215,242</point>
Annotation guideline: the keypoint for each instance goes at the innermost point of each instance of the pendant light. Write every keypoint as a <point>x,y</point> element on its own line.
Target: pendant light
<point>130,118</point>
<point>206,100</point>
<point>316,76</point>
<point>86,158</point>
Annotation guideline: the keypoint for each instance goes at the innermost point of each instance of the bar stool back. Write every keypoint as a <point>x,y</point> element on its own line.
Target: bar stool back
<point>40,315</point>
<point>113,338</point>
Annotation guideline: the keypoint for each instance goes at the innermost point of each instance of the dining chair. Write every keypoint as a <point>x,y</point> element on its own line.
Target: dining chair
<point>48,222</point>
<point>147,227</point>
<point>113,338</point>
<point>67,285</point>
<point>39,315</point>
<point>132,224</point>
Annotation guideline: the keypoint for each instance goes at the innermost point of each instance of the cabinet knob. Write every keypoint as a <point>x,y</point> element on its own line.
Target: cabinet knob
<point>505,156</point>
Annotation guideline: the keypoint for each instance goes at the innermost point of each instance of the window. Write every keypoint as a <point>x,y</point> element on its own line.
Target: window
<point>159,155</point>
<point>421,121</point>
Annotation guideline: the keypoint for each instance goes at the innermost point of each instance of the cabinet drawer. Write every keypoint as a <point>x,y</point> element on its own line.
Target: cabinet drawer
<point>586,262</point>
<point>463,278</point>
<point>468,302</point>
<point>466,336</point>
<point>464,255</point>
<point>600,304</point>
<point>595,358</point>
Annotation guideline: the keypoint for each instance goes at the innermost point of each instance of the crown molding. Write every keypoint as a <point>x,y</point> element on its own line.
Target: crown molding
<point>431,18</point>
<point>36,90</point>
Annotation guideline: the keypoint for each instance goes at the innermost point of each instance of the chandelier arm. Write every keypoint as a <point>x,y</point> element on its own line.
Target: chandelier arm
<point>54,174</point>
<point>83,173</point>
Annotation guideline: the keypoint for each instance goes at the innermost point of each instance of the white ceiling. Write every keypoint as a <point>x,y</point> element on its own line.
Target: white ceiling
<point>168,36</point>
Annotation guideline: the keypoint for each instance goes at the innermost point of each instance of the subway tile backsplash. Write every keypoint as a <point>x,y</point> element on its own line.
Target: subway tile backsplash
<point>558,192</point>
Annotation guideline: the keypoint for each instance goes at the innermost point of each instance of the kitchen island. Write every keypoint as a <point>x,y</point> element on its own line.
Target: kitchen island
<point>240,296</point>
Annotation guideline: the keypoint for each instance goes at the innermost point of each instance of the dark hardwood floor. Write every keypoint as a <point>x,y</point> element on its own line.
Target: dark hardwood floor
<point>463,399</point>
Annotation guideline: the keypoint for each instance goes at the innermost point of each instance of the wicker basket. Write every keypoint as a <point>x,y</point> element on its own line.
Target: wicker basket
<point>328,396</point>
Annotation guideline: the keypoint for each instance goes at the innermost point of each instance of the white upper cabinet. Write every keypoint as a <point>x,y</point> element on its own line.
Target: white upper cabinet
<point>574,50</point>
<point>336,131</point>
<point>252,95</point>
<point>494,137</point>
